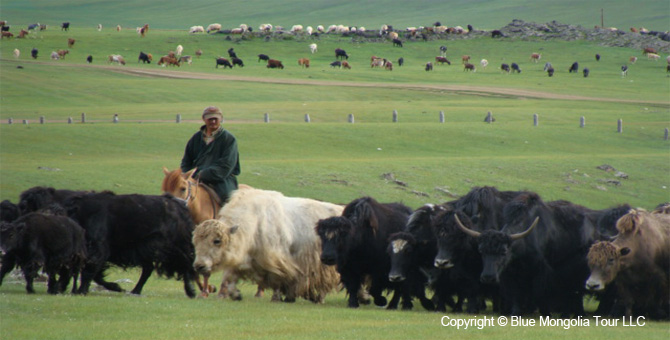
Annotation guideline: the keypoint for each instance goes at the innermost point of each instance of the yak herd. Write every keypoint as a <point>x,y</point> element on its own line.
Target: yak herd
<point>509,251</point>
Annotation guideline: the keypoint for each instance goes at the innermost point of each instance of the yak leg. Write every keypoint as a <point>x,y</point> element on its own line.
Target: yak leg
<point>8,264</point>
<point>147,268</point>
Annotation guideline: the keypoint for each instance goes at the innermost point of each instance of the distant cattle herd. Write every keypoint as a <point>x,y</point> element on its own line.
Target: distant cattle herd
<point>386,33</point>
<point>509,250</point>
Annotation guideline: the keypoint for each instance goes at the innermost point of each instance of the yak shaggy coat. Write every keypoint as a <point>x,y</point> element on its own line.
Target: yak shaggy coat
<point>269,238</point>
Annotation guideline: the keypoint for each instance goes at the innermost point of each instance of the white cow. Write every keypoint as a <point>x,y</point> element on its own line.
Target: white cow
<point>196,29</point>
<point>17,53</point>
<point>213,27</point>
<point>179,50</point>
<point>313,48</point>
<point>268,238</point>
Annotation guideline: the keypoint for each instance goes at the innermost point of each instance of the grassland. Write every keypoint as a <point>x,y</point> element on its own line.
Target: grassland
<point>327,159</point>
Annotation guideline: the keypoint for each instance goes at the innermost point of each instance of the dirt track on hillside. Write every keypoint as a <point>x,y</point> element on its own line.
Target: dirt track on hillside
<point>462,89</point>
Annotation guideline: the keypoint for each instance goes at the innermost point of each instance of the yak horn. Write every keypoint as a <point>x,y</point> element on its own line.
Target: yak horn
<point>523,234</point>
<point>465,229</point>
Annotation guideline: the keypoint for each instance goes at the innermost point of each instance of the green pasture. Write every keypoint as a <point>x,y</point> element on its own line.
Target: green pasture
<point>482,14</point>
<point>327,159</point>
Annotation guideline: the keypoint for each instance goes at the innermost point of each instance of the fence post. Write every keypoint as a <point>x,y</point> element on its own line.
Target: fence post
<point>489,117</point>
<point>395,116</point>
<point>582,122</point>
<point>116,118</point>
<point>266,117</point>
<point>619,126</point>
<point>41,119</point>
<point>10,121</point>
<point>441,116</point>
<point>665,137</point>
<point>351,118</point>
<point>178,118</point>
<point>25,122</point>
<point>83,117</point>
<point>307,120</point>
<point>535,120</point>
<point>69,120</point>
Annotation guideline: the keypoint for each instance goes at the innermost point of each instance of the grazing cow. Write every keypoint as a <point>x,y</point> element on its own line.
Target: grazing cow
<point>34,52</point>
<point>515,68</point>
<point>118,28</point>
<point>189,60</point>
<point>442,60</point>
<point>54,55</point>
<point>653,56</point>
<point>535,57</point>
<point>44,240</point>
<point>145,58</point>
<point>269,238</point>
<point>17,53</point>
<point>7,35</point>
<point>237,61</point>
<point>429,66</point>
<point>213,27</point>
<point>496,34</point>
<point>397,42</point>
<point>198,53</point>
<point>586,72</point>
<point>484,63</point>
<point>597,57</point>
<point>196,29</point>
<point>469,67</point>
<point>340,54</point>
<point>89,59</point>
<point>179,50</point>
<point>151,232</point>
<point>504,67</point>
<point>465,59</point>
<point>345,65</point>
<point>377,62</point>
<point>263,57</point>
<point>70,42</point>
<point>273,63</point>
<point>9,211</point>
<point>632,60</point>
<point>22,34</point>
<point>62,53</point>
<point>388,66</point>
<point>313,48</point>
<point>545,270</point>
<point>115,58</point>
<point>550,71</point>
<point>401,61</point>
<point>357,241</point>
<point>336,63</point>
<point>574,67</point>
<point>636,262</point>
<point>65,26</point>
<point>223,62</point>
<point>168,60</point>
<point>648,50</point>
<point>624,71</point>
<point>304,62</point>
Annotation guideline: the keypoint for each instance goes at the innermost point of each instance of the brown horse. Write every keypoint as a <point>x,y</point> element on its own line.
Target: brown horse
<point>203,204</point>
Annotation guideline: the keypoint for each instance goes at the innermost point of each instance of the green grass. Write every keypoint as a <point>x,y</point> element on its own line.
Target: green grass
<point>327,159</point>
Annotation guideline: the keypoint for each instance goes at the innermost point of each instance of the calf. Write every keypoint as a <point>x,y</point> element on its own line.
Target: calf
<point>70,42</point>
<point>429,66</point>
<point>237,61</point>
<point>586,72</point>
<point>273,63</point>
<point>336,63</point>
<point>442,60</point>
<point>550,71</point>
<point>515,68</point>
<point>145,58</point>
<point>356,242</point>
<point>304,62</point>
<point>89,59</point>
<point>535,57</point>
<point>7,34</point>
<point>263,57</point>
<point>574,67</point>
<point>597,57</point>
<point>33,53</point>
<point>401,61</point>
<point>397,42</point>
<point>469,67</point>
<point>168,60</point>
<point>465,59</point>
<point>44,240</point>
<point>504,67</point>
<point>345,64</point>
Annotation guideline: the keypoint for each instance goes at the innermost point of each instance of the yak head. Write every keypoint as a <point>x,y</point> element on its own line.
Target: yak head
<point>495,249</point>
<point>211,239</point>
<point>333,232</point>
<point>400,249</point>
<point>450,240</point>
<point>604,263</point>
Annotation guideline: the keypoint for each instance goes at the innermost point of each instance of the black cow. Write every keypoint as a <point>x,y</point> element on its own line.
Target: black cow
<point>65,26</point>
<point>237,61</point>
<point>144,58</point>
<point>224,62</point>
<point>429,66</point>
<point>624,70</point>
<point>496,34</point>
<point>586,72</point>
<point>44,240</point>
<point>515,68</point>
<point>152,232</point>
<point>356,242</point>
<point>597,57</point>
<point>574,67</point>
<point>443,49</point>
<point>264,57</point>
<point>546,269</point>
<point>550,71</point>
<point>231,53</point>
<point>401,61</point>
<point>336,63</point>
<point>340,53</point>
<point>9,211</point>
<point>504,67</point>
<point>397,42</point>
<point>34,52</point>
<point>37,198</point>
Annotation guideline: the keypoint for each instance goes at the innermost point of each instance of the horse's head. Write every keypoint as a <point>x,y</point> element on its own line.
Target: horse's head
<point>179,184</point>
